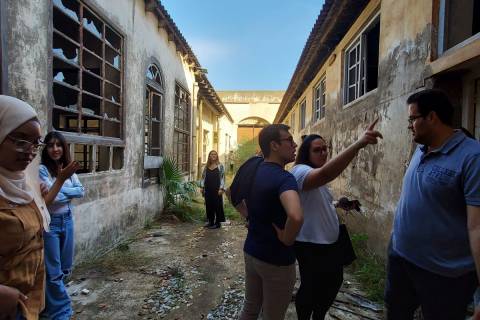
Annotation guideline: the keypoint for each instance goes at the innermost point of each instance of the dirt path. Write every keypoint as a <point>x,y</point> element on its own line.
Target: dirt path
<point>181,271</point>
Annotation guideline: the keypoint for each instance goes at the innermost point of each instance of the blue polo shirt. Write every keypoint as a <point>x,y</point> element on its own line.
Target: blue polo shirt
<point>265,208</point>
<point>430,227</point>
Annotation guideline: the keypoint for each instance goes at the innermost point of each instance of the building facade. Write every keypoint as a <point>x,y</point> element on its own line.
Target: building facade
<point>123,85</point>
<point>361,61</point>
<point>251,111</point>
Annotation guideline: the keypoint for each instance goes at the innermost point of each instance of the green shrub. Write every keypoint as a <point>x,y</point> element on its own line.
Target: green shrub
<point>368,269</point>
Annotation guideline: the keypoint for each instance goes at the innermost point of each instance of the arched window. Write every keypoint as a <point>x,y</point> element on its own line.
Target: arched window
<point>153,126</point>
<point>154,74</point>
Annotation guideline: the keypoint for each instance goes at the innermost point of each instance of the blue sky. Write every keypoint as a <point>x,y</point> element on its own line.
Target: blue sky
<point>246,45</point>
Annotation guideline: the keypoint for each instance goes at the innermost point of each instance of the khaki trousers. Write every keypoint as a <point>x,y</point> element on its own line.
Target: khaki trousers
<point>268,287</point>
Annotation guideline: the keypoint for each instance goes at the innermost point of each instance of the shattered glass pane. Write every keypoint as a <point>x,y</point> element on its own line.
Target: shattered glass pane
<point>66,10</point>
<point>90,26</point>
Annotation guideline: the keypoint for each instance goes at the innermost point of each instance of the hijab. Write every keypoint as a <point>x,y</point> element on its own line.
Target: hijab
<point>20,187</point>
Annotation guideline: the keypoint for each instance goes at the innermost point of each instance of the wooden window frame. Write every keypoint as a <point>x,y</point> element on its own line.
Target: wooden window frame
<point>182,128</point>
<point>69,32</point>
<point>359,64</point>
<point>114,87</point>
<point>303,114</point>
<point>319,99</point>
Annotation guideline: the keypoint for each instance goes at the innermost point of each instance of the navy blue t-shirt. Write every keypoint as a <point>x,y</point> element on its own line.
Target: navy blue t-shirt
<point>265,208</point>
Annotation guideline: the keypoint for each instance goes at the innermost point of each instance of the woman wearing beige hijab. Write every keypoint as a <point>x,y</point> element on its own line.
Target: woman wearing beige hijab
<point>23,213</point>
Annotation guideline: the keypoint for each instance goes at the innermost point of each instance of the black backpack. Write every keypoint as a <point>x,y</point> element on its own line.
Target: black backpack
<point>243,181</point>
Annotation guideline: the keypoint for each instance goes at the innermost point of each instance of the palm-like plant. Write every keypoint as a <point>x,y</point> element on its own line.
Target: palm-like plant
<point>176,189</point>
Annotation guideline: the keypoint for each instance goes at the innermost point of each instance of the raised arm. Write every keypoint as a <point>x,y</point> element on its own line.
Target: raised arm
<point>333,168</point>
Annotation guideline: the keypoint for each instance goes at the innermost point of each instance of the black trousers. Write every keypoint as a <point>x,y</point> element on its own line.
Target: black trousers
<point>441,298</point>
<point>214,207</point>
<point>320,280</point>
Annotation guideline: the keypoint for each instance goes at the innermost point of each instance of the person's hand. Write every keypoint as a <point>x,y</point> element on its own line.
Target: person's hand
<point>220,192</point>
<point>370,136</point>
<point>476,315</point>
<point>280,234</point>
<point>43,189</point>
<point>9,299</point>
<point>65,173</point>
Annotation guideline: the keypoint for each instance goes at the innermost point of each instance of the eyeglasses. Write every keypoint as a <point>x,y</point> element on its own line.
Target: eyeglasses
<point>289,139</point>
<point>412,119</point>
<point>25,146</point>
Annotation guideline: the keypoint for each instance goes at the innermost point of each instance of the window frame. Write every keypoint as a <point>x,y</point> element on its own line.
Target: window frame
<point>107,26</point>
<point>303,113</point>
<point>184,132</point>
<point>358,43</point>
<point>113,145</point>
<point>152,153</point>
<point>442,21</point>
<point>319,99</point>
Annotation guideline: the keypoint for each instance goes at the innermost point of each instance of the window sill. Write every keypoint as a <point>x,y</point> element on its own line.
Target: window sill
<point>360,99</point>
<point>82,138</point>
<point>100,174</point>
<point>455,56</point>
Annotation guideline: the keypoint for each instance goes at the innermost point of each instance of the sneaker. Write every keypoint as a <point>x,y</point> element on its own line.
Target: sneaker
<point>214,226</point>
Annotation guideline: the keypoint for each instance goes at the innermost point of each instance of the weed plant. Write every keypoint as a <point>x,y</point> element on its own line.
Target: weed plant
<point>368,269</point>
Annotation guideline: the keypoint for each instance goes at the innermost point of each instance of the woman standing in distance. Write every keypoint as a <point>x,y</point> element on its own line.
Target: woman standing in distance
<point>23,215</point>
<point>212,186</point>
<point>320,277</point>
<point>59,241</point>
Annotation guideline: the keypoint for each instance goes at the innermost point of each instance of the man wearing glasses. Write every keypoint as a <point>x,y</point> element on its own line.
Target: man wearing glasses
<point>275,218</point>
<point>434,255</point>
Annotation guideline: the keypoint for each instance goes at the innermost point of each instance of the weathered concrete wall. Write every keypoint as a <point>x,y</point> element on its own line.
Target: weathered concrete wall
<point>115,202</point>
<point>375,175</point>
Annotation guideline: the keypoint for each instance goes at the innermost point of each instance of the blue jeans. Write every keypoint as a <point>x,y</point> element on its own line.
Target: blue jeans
<point>59,243</point>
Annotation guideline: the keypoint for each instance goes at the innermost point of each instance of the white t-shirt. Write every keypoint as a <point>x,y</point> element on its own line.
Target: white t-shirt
<point>320,223</point>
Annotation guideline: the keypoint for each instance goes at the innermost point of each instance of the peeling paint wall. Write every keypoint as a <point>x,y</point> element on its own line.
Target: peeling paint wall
<point>375,175</point>
<point>115,202</point>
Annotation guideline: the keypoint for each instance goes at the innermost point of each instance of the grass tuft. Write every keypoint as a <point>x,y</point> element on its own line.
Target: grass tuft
<point>369,269</point>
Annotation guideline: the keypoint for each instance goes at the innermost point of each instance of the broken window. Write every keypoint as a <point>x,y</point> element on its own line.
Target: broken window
<point>303,111</point>
<point>87,81</point>
<point>458,21</point>
<point>153,120</point>
<point>181,135</point>
<point>361,62</point>
<point>319,100</point>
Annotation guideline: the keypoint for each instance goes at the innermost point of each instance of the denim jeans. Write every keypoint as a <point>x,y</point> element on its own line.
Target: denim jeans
<point>59,243</point>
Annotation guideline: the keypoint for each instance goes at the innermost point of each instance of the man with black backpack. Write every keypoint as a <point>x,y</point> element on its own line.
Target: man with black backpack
<point>275,217</point>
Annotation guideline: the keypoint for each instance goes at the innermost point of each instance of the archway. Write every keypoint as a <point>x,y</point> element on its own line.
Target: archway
<point>249,128</point>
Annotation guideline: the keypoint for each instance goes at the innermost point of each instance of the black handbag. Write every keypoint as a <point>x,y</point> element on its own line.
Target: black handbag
<point>344,247</point>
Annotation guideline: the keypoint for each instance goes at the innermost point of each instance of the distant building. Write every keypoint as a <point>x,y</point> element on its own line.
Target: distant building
<point>361,61</point>
<point>251,111</point>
